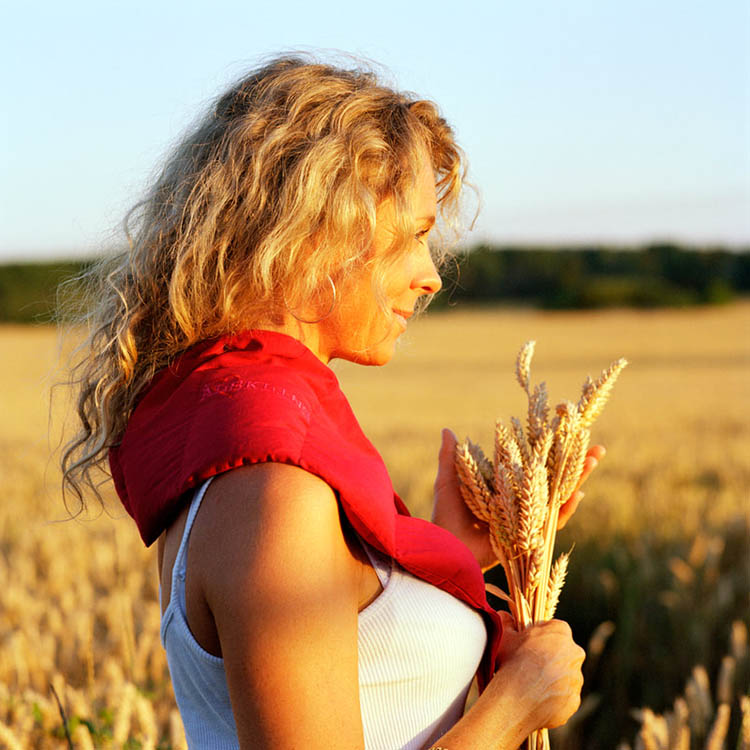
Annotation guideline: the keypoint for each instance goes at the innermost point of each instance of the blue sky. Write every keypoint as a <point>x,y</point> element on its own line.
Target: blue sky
<point>621,122</point>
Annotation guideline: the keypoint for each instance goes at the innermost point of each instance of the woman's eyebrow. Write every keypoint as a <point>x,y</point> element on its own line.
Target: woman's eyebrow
<point>429,218</point>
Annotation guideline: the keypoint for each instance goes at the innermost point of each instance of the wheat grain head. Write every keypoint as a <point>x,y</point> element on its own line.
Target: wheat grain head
<point>698,697</point>
<point>719,728</point>
<point>502,523</point>
<point>538,414</point>
<point>176,731</point>
<point>122,719</point>
<point>574,463</point>
<point>738,640</point>
<point>653,734</point>
<point>523,365</point>
<point>556,581</point>
<point>596,393</point>
<point>520,439</point>
<point>472,484</point>
<point>679,731</point>
<point>508,455</point>
<point>725,682</point>
<point>744,743</point>
<point>484,464</point>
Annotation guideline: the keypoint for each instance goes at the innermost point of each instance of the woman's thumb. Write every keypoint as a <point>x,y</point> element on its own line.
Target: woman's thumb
<point>448,444</point>
<point>446,458</point>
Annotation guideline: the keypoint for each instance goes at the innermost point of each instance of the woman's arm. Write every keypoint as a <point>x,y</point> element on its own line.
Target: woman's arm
<point>279,579</point>
<point>268,553</point>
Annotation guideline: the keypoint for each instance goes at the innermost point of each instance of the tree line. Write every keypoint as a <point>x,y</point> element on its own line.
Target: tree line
<point>658,275</point>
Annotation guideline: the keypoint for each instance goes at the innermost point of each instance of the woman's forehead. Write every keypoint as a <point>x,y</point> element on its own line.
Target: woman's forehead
<point>425,204</point>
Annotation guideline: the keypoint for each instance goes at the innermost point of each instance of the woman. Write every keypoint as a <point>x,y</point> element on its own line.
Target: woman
<point>302,605</point>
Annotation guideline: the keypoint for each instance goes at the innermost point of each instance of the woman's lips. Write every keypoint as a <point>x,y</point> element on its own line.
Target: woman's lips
<point>402,316</point>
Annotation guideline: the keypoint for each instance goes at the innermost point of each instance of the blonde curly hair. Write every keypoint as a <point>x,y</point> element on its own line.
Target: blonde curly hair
<point>274,191</point>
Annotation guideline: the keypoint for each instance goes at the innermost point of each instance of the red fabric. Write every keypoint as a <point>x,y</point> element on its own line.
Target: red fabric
<point>263,396</point>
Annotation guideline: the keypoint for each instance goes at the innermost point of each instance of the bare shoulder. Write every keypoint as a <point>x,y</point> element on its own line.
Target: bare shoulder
<point>280,582</point>
<point>254,500</point>
<point>263,523</point>
<point>264,481</point>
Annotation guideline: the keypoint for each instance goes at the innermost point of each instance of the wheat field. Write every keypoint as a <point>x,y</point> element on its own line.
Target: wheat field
<point>661,537</point>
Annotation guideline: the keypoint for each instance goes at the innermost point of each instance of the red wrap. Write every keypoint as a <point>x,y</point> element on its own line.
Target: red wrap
<point>263,396</point>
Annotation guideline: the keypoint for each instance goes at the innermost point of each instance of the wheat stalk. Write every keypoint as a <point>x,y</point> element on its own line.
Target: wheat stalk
<point>679,731</point>
<point>121,726</point>
<point>745,728</point>
<point>719,728</point>
<point>519,495</point>
<point>176,731</point>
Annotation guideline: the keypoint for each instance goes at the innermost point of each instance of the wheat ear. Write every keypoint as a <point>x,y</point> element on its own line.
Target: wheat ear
<point>679,731</point>
<point>596,393</point>
<point>473,486</point>
<point>523,365</point>
<point>719,728</point>
<point>745,728</point>
<point>556,581</point>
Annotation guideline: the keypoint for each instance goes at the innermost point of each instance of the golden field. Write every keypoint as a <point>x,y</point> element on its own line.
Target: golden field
<point>661,537</point>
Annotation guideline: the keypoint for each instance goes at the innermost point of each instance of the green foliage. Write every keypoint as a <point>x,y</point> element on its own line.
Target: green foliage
<point>588,278</point>
<point>555,278</point>
<point>28,291</point>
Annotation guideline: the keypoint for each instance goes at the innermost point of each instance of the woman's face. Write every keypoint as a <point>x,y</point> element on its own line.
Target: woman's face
<point>359,329</point>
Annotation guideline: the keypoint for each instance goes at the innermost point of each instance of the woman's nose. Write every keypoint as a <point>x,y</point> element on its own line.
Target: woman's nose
<point>426,277</point>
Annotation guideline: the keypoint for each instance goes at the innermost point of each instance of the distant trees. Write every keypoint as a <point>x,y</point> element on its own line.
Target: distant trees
<point>28,291</point>
<point>658,275</point>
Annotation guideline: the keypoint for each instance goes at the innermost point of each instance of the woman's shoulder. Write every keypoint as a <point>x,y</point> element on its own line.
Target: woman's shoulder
<point>271,525</point>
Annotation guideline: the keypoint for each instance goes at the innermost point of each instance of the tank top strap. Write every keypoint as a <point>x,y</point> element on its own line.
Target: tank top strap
<point>382,564</point>
<point>180,563</point>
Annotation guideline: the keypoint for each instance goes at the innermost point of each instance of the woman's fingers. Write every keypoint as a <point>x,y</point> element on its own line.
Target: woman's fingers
<point>547,670</point>
<point>597,451</point>
<point>569,508</point>
<point>593,456</point>
<point>511,638</point>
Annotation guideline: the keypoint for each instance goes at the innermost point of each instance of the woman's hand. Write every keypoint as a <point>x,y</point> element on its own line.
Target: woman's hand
<point>544,665</point>
<point>537,686</point>
<point>568,508</point>
<point>449,510</point>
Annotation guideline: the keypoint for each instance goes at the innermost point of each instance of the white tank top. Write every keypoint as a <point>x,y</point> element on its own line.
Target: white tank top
<point>418,648</point>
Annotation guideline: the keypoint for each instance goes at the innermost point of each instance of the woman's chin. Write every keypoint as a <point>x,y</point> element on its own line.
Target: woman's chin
<point>376,356</point>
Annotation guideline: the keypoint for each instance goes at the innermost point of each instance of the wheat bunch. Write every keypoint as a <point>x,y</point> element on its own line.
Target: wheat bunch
<point>536,468</point>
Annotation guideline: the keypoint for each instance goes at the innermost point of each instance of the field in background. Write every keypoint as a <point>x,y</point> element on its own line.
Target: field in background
<point>662,537</point>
